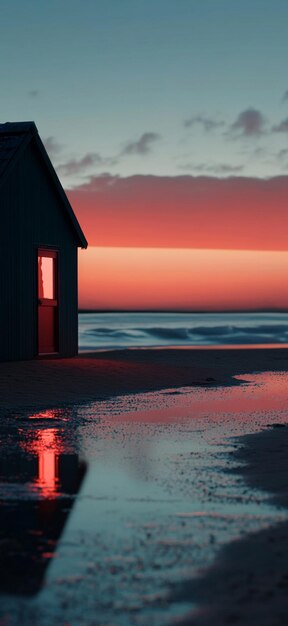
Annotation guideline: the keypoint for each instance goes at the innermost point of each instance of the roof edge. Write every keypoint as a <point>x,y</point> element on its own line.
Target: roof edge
<point>80,235</point>
<point>30,132</point>
<point>18,128</point>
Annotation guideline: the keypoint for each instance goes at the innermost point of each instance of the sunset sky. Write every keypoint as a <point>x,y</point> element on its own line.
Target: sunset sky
<point>167,123</point>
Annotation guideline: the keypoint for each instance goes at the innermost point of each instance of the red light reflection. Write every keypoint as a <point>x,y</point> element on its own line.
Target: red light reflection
<point>48,414</point>
<point>45,444</point>
<point>48,463</point>
<point>264,393</point>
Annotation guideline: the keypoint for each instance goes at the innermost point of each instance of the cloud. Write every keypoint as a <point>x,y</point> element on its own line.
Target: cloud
<point>33,93</point>
<point>282,127</point>
<point>249,123</point>
<point>78,166</point>
<point>282,154</point>
<point>185,211</point>
<point>75,166</point>
<point>259,152</point>
<point>212,168</point>
<point>52,146</point>
<point>143,145</point>
<point>208,123</point>
<point>285,96</point>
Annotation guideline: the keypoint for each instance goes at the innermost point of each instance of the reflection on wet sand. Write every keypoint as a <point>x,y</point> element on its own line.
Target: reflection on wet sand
<point>160,499</point>
<point>38,485</point>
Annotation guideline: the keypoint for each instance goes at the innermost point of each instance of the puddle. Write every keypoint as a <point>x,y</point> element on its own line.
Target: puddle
<point>156,500</point>
<point>38,485</point>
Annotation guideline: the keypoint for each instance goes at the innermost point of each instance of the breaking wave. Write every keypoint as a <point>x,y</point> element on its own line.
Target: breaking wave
<point>119,330</point>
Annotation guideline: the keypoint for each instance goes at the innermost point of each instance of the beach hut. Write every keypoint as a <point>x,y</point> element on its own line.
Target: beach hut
<point>39,240</point>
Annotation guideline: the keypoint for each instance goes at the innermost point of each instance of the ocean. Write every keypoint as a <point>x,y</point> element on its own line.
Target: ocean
<point>100,331</point>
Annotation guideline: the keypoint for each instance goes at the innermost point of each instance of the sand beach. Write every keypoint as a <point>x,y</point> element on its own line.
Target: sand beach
<point>175,461</point>
<point>96,375</point>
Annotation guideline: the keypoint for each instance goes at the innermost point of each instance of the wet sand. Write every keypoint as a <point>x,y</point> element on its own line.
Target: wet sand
<point>92,376</point>
<point>248,583</point>
<point>161,490</point>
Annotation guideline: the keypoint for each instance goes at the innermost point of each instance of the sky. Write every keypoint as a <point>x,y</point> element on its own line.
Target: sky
<point>167,123</point>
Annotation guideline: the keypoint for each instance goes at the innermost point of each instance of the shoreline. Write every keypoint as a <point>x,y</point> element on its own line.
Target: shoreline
<point>100,375</point>
<point>226,346</point>
<point>248,582</point>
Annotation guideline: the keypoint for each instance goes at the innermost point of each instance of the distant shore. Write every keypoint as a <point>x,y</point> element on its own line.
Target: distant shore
<point>183,312</point>
<point>97,375</point>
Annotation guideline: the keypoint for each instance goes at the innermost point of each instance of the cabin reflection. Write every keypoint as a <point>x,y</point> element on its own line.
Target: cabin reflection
<point>39,481</point>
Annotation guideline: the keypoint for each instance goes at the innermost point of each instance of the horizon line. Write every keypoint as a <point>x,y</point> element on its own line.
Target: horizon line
<point>189,311</point>
<point>191,249</point>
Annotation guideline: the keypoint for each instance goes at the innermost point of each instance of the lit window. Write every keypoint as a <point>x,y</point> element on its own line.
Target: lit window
<point>46,280</point>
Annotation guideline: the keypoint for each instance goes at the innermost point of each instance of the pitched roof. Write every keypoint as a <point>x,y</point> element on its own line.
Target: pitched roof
<point>14,137</point>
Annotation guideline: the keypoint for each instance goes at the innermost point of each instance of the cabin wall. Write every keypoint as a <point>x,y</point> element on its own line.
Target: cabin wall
<point>32,216</point>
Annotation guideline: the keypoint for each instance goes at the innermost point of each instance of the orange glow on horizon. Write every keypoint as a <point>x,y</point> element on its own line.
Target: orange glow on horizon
<point>182,279</point>
<point>183,242</point>
<point>238,213</point>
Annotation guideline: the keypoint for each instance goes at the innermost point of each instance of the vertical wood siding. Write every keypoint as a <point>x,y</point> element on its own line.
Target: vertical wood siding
<point>32,217</point>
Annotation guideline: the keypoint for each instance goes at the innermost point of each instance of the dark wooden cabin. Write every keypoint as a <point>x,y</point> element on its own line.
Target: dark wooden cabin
<point>39,240</point>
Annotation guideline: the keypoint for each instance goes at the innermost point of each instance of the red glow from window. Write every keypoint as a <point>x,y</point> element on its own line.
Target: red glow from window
<point>48,464</point>
<point>48,414</point>
<point>47,448</point>
<point>46,277</point>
